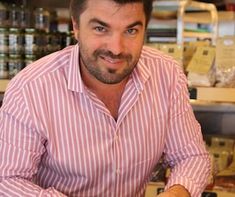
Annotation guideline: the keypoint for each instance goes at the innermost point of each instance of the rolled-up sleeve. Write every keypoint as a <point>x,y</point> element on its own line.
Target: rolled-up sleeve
<point>185,150</point>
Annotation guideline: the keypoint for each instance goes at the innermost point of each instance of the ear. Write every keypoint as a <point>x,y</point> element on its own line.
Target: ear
<point>75,28</point>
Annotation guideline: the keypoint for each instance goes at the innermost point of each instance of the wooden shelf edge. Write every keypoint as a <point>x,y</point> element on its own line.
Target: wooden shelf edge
<point>3,84</point>
<point>197,34</point>
<point>214,94</point>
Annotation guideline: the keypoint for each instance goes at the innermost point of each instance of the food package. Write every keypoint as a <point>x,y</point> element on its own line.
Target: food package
<point>174,50</point>
<point>225,62</point>
<point>189,50</point>
<point>223,151</point>
<point>225,180</point>
<point>201,70</point>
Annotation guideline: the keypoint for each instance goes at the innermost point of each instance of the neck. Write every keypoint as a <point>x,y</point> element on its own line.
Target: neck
<point>109,94</point>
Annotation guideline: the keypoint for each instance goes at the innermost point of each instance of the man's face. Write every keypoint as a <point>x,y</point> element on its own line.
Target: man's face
<point>110,38</point>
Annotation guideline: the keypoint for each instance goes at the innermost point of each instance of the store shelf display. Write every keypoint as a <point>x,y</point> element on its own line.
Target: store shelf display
<point>26,35</point>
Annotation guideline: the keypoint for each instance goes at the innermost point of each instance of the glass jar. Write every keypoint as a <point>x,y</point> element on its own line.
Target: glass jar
<point>14,18</point>
<point>29,59</point>
<point>42,19</point>
<point>15,64</point>
<point>25,17</point>
<point>4,72</point>
<point>31,46</point>
<point>16,41</point>
<point>3,15</point>
<point>3,40</point>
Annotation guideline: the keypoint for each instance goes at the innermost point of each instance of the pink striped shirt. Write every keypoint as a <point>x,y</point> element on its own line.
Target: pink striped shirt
<point>57,138</point>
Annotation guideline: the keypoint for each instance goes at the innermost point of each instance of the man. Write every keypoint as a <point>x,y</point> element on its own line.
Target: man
<point>94,118</point>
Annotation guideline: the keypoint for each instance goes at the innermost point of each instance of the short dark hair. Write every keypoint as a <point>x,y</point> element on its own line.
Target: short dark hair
<point>78,6</point>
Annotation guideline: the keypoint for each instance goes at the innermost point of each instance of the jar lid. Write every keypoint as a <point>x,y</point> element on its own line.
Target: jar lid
<point>3,29</point>
<point>30,30</point>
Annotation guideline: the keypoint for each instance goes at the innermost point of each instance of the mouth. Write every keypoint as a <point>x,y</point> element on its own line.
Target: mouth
<point>111,60</point>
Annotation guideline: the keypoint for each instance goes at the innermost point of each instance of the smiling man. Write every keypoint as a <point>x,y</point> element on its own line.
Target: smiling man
<point>95,118</point>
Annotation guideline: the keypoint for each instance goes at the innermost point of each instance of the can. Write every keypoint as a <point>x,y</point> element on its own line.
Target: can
<point>15,64</point>
<point>16,41</point>
<point>3,40</point>
<point>4,72</point>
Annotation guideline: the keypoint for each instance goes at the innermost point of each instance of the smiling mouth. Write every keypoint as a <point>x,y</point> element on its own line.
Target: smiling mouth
<point>111,60</point>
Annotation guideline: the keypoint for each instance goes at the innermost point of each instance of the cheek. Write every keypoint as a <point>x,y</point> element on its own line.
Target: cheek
<point>134,46</point>
<point>90,43</point>
<point>135,49</point>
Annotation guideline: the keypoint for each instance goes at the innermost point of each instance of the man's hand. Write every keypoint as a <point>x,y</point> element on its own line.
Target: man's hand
<point>166,194</point>
<point>175,191</point>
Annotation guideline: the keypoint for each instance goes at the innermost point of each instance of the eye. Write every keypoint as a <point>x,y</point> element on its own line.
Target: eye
<point>100,29</point>
<point>132,31</point>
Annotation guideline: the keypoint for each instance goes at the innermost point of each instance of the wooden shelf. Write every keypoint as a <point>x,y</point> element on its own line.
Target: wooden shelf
<point>214,94</point>
<point>193,34</point>
<point>3,84</point>
<point>205,18</point>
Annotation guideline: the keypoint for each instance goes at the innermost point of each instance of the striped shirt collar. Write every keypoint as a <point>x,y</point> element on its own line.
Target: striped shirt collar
<point>140,74</point>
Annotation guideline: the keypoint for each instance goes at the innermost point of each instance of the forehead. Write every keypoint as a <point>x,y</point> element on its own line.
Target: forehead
<point>109,10</point>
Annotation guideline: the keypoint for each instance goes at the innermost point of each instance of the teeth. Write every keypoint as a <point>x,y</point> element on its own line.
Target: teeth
<point>111,60</point>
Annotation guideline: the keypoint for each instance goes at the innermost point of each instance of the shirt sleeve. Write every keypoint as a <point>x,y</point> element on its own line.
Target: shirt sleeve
<point>21,148</point>
<point>185,150</point>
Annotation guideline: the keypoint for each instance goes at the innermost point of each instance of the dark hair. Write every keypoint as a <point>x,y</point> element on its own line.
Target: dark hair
<point>78,6</point>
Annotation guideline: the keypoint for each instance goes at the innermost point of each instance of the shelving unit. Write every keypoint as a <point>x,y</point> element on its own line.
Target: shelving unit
<point>225,19</point>
<point>162,27</point>
<point>182,20</point>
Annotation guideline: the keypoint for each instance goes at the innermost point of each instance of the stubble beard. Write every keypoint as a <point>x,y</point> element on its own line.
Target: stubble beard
<point>106,76</point>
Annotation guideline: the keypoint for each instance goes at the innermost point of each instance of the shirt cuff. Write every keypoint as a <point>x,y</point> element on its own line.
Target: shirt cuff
<point>194,189</point>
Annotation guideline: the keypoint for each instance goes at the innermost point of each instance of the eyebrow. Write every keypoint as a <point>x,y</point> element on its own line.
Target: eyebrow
<point>137,23</point>
<point>96,20</point>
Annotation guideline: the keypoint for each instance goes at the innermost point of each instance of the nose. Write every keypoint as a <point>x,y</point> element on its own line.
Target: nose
<point>116,44</point>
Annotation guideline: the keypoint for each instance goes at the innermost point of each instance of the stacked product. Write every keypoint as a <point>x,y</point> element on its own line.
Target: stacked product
<point>25,38</point>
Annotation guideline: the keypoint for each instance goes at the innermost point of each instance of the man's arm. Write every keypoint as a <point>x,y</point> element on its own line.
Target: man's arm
<point>185,149</point>
<point>21,148</point>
